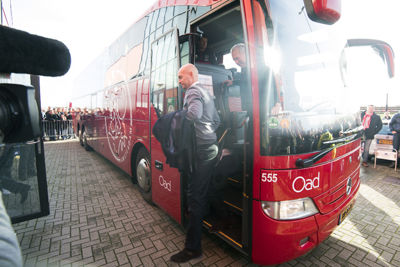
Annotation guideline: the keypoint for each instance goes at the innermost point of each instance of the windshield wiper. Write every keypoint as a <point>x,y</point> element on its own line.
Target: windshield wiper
<point>303,163</point>
<point>340,140</point>
<point>355,130</point>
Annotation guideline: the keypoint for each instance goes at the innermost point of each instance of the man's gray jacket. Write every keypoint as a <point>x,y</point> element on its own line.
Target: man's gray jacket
<point>201,110</point>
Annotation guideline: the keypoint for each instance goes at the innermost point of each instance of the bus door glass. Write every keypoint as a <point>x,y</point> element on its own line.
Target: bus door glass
<point>166,185</point>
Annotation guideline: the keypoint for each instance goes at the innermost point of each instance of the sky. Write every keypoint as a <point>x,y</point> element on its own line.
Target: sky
<point>88,27</point>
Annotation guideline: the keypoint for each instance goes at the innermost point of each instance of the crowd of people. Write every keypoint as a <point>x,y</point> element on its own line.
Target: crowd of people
<point>57,114</point>
<point>57,123</point>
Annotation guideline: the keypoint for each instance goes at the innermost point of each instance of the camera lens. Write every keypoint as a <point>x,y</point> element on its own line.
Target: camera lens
<point>8,112</point>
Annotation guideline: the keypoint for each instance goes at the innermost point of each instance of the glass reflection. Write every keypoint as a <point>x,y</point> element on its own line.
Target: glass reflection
<point>18,179</point>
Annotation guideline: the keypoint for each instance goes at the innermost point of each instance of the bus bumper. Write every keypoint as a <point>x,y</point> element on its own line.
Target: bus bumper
<point>275,242</point>
<point>328,222</point>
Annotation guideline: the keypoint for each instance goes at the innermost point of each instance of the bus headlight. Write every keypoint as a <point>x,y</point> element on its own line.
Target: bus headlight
<point>289,209</point>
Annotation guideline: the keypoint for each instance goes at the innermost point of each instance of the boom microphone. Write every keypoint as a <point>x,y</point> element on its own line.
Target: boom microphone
<point>21,52</point>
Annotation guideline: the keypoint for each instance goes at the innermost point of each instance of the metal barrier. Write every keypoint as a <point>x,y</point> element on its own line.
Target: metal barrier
<point>56,130</point>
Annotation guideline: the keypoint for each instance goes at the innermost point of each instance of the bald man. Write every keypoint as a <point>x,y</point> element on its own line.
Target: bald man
<point>201,110</point>
<point>238,53</point>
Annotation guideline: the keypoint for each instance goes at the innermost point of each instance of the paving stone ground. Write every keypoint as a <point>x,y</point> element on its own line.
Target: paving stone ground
<point>98,218</point>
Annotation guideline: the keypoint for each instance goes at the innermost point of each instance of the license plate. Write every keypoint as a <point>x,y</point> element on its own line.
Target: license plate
<point>385,142</point>
<point>344,213</point>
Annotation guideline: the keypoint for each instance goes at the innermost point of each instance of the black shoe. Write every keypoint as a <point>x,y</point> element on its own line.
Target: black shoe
<point>185,255</point>
<point>24,193</point>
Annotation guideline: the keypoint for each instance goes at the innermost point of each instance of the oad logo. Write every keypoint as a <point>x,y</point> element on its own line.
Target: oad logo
<point>300,184</point>
<point>164,183</point>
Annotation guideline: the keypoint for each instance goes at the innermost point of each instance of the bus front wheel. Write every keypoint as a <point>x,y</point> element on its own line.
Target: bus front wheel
<point>143,174</point>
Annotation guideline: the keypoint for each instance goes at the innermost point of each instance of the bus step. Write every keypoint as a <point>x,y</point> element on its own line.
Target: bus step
<point>233,234</point>
<point>233,199</point>
<point>234,182</point>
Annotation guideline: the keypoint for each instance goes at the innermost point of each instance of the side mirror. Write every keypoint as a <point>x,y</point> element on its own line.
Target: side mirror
<point>323,11</point>
<point>384,50</point>
<point>367,62</point>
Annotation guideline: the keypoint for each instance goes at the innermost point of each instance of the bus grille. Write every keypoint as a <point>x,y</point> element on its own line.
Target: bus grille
<point>335,196</point>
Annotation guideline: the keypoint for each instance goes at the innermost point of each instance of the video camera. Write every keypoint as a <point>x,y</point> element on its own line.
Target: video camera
<point>21,52</point>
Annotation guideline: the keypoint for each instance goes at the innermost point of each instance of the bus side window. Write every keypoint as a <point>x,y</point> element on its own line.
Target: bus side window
<point>184,52</point>
<point>164,69</point>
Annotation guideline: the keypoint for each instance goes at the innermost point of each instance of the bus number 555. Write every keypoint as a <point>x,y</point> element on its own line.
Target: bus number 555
<point>269,177</point>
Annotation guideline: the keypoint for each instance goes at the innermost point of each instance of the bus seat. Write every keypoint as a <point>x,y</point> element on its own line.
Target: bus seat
<point>228,103</point>
<point>218,75</point>
<point>237,116</point>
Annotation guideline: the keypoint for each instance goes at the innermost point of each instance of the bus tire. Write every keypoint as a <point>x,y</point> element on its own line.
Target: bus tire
<point>85,143</point>
<point>143,174</point>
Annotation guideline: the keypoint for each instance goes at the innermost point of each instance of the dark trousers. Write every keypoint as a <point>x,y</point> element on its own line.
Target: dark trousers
<point>11,185</point>
<point>396,141</point>
<point>367,144</point>
<point>197,195</point>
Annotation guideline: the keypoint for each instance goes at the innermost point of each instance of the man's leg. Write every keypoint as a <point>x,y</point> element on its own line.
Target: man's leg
<point>198,193</point>
<point>15,187</point>
<point>396,141</point>
<point>367,144</point>
<point>197,201</point>
<point>396,145</point>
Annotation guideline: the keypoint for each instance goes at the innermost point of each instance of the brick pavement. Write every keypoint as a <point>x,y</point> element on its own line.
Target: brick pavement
<point>98,218</point>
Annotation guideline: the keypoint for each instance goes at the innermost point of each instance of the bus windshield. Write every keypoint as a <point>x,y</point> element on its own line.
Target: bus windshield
<point>303,98</point>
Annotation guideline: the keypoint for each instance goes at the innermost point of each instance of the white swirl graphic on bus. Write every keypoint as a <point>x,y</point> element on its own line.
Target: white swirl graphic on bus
<point>165,184</point>
<point>300,183</point>
<point>117,121</point>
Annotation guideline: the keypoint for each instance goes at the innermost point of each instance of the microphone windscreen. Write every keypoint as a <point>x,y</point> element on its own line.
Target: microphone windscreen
<point>21,52</point>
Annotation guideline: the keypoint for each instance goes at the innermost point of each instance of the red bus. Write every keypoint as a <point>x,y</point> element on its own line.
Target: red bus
<point>293,172</point>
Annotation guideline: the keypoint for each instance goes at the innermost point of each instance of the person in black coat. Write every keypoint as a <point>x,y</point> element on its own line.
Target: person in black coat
<point>372,124</point>
<point>394,126</point>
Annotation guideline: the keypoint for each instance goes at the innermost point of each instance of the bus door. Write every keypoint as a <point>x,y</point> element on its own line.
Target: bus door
<point>164,97</point>
<point>223,29</point>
